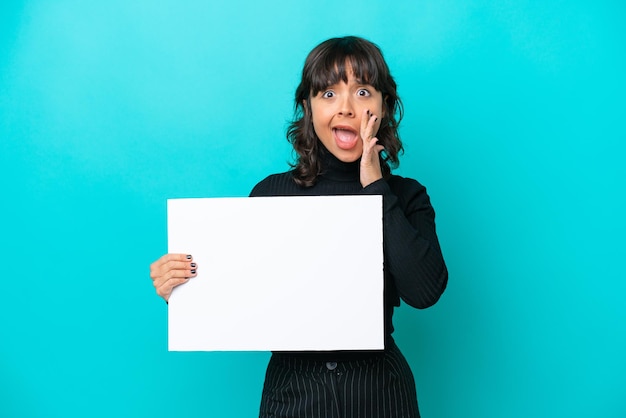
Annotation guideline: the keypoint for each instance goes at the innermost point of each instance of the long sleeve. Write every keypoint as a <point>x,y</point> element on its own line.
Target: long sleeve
<point>413,258</point>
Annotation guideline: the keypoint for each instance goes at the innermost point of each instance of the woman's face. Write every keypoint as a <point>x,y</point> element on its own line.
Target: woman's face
<point>337,112</point>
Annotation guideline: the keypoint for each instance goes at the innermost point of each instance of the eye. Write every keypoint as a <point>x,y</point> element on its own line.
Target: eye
<point>328,94</point>
<point>363,93</point>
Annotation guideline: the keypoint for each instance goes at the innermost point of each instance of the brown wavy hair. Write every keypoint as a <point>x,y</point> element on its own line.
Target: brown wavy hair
<point>327,64</point>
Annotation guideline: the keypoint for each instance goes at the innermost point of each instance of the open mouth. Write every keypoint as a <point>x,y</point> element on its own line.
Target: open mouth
<point>345,137</point>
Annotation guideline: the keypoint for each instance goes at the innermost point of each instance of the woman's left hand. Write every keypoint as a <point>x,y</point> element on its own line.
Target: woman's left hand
<point>370,163</point>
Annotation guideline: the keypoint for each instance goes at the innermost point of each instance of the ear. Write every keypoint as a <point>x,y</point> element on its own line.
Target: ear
<point>384,106</point>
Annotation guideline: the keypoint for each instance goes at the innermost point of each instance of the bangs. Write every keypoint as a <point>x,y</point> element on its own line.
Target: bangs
<point>336,63</point>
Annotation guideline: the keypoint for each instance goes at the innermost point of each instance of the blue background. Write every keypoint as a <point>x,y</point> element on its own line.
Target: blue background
<point>514,121</point>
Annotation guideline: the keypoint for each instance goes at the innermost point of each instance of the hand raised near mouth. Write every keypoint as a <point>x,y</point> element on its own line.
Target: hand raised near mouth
<point>370,163</point>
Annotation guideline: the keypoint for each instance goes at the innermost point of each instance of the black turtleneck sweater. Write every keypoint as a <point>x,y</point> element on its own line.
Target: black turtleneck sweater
<point>414,268</point>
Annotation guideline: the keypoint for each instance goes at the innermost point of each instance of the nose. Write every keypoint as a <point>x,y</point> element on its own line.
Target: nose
<point>346,107</point>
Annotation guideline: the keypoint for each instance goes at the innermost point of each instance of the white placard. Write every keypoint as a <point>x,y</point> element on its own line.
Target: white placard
<point>278,273</point>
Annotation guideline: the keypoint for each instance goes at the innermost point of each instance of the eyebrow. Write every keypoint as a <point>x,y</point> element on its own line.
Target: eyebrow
<point>358,81</point>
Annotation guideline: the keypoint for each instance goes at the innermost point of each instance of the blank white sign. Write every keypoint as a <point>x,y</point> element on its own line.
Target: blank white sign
<point>278,273</point>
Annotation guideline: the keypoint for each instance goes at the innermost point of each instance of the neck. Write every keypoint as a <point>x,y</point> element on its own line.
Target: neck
<point>337,170</point>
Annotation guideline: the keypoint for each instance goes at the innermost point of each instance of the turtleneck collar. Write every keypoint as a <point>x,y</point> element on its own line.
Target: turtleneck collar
<point>335,169</point>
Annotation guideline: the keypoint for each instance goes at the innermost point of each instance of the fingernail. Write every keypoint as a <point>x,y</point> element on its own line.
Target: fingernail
<point>188,257</point>
<point>193,264</point>
<point>193,272</point>
<point>375,119</point>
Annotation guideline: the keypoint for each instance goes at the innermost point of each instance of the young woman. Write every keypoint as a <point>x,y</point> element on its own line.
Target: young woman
<point>345,135</point>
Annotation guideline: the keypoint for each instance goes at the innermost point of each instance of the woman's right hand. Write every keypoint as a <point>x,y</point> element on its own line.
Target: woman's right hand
<point>170,271</point>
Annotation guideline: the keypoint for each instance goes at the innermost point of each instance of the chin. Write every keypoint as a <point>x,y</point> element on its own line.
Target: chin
<point>347,156</point>
<point>350,159</point>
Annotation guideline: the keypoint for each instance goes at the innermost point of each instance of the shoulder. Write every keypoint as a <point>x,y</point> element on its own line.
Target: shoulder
<point>410,192</point>
<point>404,185</point>
<point>279,184</point>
